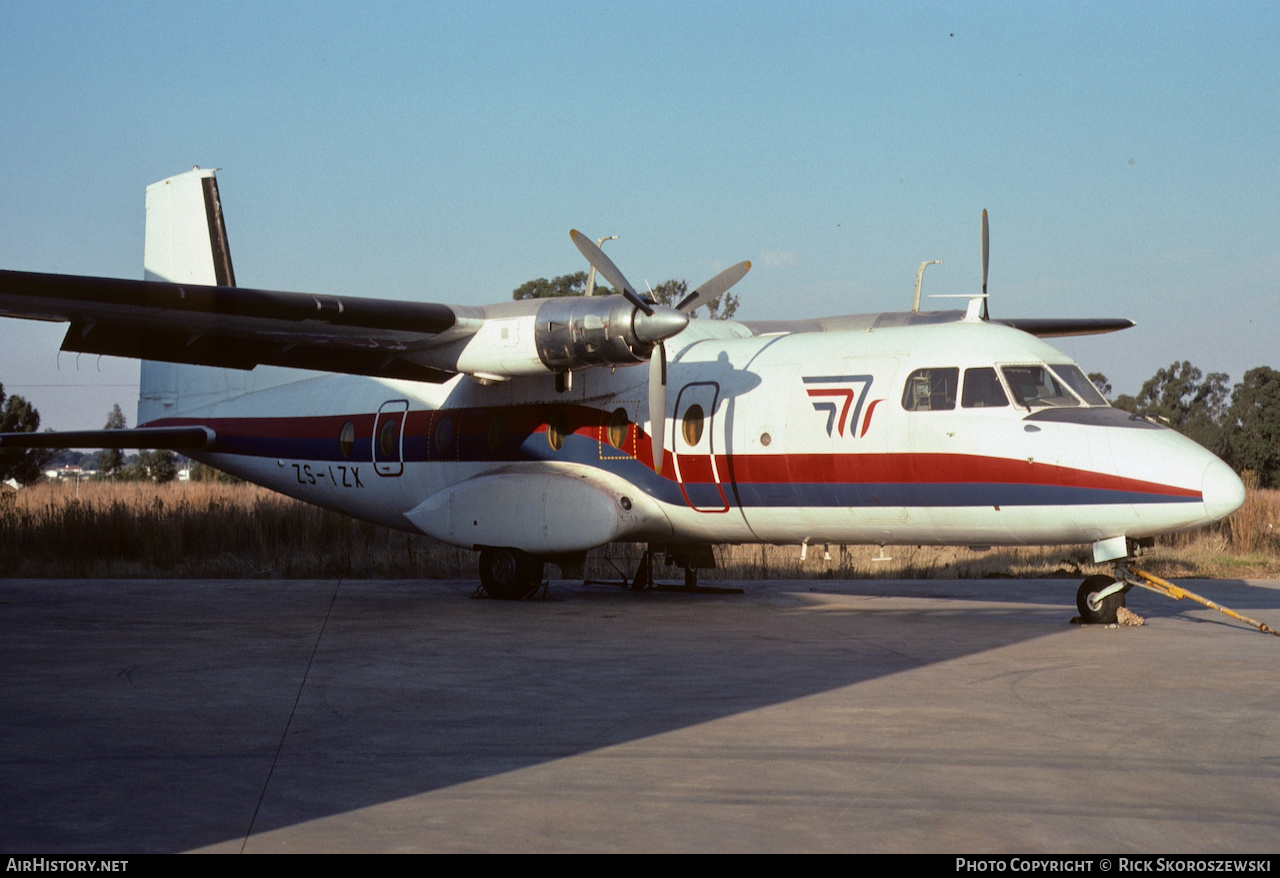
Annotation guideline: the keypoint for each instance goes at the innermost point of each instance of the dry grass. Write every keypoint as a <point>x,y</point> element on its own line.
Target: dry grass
<point>215,530</point>
<point>1246,545</point>
<point>203,530</point>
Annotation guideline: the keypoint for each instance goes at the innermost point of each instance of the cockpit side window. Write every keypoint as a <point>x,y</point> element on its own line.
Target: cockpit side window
<point>982,389</point>
<point>931,390</point>
<point>1036,386</point>
<point>1083,387</point>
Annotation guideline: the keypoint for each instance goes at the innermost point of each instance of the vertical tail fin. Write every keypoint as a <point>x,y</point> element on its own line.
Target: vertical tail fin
<point>186,234</point>
<point>186,242</point>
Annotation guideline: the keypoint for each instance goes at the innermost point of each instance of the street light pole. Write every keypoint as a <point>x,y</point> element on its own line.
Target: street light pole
<point>591,275</point>
<point>915,302</point>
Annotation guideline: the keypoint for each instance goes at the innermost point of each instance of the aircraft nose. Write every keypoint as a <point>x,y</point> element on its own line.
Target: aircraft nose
<point>1222,490</point>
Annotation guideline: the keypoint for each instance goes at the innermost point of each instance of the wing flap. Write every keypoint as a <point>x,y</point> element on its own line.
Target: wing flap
<point>229,352</point>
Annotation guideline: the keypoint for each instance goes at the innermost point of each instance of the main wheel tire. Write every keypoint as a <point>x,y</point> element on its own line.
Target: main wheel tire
<point>1107,608</point>
<point>509,574</point>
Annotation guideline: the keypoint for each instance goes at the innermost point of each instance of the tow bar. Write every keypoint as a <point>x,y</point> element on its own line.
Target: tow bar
<point>1132,576</point>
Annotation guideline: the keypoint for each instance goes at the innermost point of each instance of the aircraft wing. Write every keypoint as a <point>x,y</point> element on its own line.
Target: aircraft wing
<point>1050,327</point>
<point>1057,327</point>
<point>234,327</point>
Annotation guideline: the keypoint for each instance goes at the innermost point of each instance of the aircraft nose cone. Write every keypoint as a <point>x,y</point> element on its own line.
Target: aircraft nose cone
<point>1222,490</point>
<point>663,323</point>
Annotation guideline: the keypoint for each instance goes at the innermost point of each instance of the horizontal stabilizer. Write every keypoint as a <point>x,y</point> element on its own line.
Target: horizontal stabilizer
<point>173,438</point>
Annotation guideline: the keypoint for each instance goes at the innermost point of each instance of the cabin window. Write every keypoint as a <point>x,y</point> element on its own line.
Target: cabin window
<point>931,390</point>
<point>444,435</point>
<point>691,424</point>
<point>617,430</point>
<point>1034,386</point>
<point>982,389</point>
<point>387,436</point>
<point>1083,387</point>
<point>557,429</point>
<point>347,438</point>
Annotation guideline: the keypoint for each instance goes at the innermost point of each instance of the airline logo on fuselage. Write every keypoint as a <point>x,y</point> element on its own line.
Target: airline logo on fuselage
<point>842,398</point>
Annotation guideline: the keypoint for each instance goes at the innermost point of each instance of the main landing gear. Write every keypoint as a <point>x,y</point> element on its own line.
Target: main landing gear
<point>509,574</point>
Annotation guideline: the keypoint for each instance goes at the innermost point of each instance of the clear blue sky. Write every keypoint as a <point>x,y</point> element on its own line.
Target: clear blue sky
<point>1129,156</point>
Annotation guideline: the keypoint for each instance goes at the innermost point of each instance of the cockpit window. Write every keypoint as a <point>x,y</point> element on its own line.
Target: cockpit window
<point>931,390</point>
<point>1036,386</point>
<point>982,389</point>
<point>1083,387</point>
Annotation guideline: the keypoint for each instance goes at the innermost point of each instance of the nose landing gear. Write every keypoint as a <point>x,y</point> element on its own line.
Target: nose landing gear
<point>1099,598</point>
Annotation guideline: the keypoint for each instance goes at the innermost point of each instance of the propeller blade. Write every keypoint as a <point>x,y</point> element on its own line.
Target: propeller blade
<point>986,255</point>
<point>714,288</point>
<point>604,265</point>
<point>658,404</point>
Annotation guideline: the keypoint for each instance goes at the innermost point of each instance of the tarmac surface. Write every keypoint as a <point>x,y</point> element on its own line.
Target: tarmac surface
<point>951,716</point>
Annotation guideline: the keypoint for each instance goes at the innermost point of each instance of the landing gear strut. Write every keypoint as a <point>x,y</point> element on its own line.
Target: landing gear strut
<point>691,558</point>
<point>509,574</point>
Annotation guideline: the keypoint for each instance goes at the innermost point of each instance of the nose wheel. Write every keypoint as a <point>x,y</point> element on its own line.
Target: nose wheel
<point>1098,599</point>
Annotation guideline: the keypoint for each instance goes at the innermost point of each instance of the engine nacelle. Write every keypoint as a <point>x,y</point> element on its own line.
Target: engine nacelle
<point>597,331</point>
<point>563,335</point>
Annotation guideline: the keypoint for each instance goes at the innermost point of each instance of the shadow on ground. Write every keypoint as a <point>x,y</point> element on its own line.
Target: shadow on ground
<point>164,716</point>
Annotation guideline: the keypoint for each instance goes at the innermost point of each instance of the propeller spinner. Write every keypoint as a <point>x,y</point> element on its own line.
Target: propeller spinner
<point>654,324</point>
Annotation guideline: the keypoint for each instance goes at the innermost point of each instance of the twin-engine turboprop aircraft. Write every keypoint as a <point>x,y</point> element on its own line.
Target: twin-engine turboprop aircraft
<point>524,429</point>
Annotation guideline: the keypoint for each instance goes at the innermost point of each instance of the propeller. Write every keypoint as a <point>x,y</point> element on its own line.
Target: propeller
<point>658,405</point>
<point>986,252</point>
<point>714,288</point>
<point>604,265</point>
<point>654,324</point>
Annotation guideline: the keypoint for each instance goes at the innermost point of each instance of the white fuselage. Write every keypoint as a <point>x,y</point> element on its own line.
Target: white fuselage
<point>776,439</point>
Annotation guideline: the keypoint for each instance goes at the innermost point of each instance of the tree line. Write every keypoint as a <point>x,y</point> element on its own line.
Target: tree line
<point>669,292</point>
<point>1240,425</point>
<point>27,466</point>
